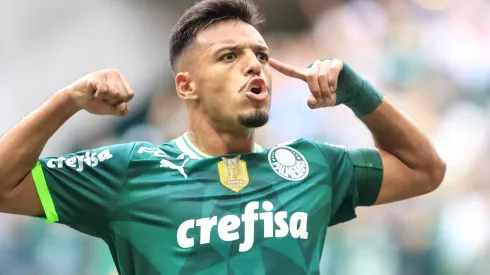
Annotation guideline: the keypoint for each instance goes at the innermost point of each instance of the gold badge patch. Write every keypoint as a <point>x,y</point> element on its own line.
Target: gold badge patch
<point>233,173</point>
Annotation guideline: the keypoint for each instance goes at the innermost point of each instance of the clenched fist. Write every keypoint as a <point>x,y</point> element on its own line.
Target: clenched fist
<point>104,92</point>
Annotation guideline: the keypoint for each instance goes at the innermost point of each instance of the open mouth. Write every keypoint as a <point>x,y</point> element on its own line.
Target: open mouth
<point>257,85</point>
<point>257,89</point>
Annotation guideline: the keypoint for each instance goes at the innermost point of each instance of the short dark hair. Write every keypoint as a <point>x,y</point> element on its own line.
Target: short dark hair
<point>204,14</point>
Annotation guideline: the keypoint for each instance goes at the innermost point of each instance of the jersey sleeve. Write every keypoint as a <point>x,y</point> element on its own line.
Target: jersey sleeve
<point>81,189</point>
<point>357,175</point>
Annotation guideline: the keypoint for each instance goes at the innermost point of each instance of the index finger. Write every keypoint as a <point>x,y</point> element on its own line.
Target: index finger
<point>288,70</point>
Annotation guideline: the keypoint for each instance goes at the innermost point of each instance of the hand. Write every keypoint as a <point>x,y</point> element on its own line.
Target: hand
<point>104,92</point>
<point>322,79</point>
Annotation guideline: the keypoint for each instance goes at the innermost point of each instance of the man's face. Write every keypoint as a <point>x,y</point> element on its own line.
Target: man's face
<point>231,74</point>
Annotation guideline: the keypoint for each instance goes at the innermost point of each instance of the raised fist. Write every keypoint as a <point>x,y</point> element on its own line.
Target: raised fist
<point>104,92</point>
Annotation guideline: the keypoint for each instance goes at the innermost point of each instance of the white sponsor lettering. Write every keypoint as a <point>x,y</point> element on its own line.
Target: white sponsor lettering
<point>228,226</point>
<point>288,163</point>
<point>78,162</point>
<point>291,172</point>
<point>157,152</point>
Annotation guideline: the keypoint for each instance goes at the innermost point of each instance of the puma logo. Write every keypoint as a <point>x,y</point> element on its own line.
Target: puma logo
<point>167,164</point>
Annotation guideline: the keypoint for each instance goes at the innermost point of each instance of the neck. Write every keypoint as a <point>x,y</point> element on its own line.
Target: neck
<point>214,141</point>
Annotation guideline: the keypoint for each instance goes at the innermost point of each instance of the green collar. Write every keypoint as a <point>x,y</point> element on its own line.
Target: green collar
<point>186,146</point>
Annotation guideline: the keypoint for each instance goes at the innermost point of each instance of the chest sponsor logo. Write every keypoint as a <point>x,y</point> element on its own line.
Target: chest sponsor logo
<point>275,225</point>
<point>91,159</point>
<point>288,163</point>
<point>233,173</point>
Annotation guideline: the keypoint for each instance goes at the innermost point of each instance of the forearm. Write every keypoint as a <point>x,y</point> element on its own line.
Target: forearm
<point>395,133</point>
<point>22,145</point>
<point>409,163</point>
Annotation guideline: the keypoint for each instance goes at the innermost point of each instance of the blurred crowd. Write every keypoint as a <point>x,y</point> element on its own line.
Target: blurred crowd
<point>430,58</point>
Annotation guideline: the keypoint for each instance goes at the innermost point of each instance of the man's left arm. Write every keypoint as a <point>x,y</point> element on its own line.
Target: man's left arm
<point>411,165</point>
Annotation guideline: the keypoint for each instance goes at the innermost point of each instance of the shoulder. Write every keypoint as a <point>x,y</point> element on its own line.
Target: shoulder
<point>147,150</point>
<point>134,151</point>
<point>302,143</point>
<point>314,151</point>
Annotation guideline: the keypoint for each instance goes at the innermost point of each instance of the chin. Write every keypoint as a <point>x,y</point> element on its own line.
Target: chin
<point>254,119</point>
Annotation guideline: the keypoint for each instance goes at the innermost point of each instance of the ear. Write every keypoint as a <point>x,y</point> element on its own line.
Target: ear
<point>185,86</point>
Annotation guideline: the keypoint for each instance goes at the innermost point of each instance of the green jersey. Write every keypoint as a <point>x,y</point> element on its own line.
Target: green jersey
<point>171,209</point>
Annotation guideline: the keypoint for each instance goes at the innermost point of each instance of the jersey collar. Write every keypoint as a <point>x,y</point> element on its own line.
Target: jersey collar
<point>186,146</point>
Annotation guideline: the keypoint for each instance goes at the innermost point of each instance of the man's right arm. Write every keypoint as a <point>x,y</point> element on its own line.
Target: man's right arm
<point>20,149</point>
<point>101,93</point>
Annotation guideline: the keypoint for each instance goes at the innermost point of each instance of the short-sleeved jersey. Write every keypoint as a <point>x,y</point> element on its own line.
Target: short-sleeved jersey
<point>171,209</point>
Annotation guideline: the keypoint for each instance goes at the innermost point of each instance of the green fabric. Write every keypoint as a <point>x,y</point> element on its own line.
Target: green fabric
<point>161,211</point>
<point>369,174</point>
<point>44,195</point>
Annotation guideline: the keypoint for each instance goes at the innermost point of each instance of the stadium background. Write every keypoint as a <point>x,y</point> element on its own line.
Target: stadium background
<point>432,58</point>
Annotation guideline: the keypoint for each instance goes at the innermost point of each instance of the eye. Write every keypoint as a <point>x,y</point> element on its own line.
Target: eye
<point>228,57</point>
<point>263,57</point>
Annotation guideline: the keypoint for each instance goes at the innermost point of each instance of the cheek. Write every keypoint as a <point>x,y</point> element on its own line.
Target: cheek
<point>208,86</point>
<point>215,90</point>
<point>267,75</point>
<point>218,87</point>
<point>221,87</point>
<point>217,95</point>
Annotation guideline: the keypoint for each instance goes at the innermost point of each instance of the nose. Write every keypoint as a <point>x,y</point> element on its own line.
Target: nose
<point>253,67</point>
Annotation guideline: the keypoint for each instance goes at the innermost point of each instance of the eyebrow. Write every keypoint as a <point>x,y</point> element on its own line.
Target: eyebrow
<point>256,47</point>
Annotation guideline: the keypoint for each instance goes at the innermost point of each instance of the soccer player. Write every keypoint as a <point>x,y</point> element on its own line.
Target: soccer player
<point>212,201</point>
